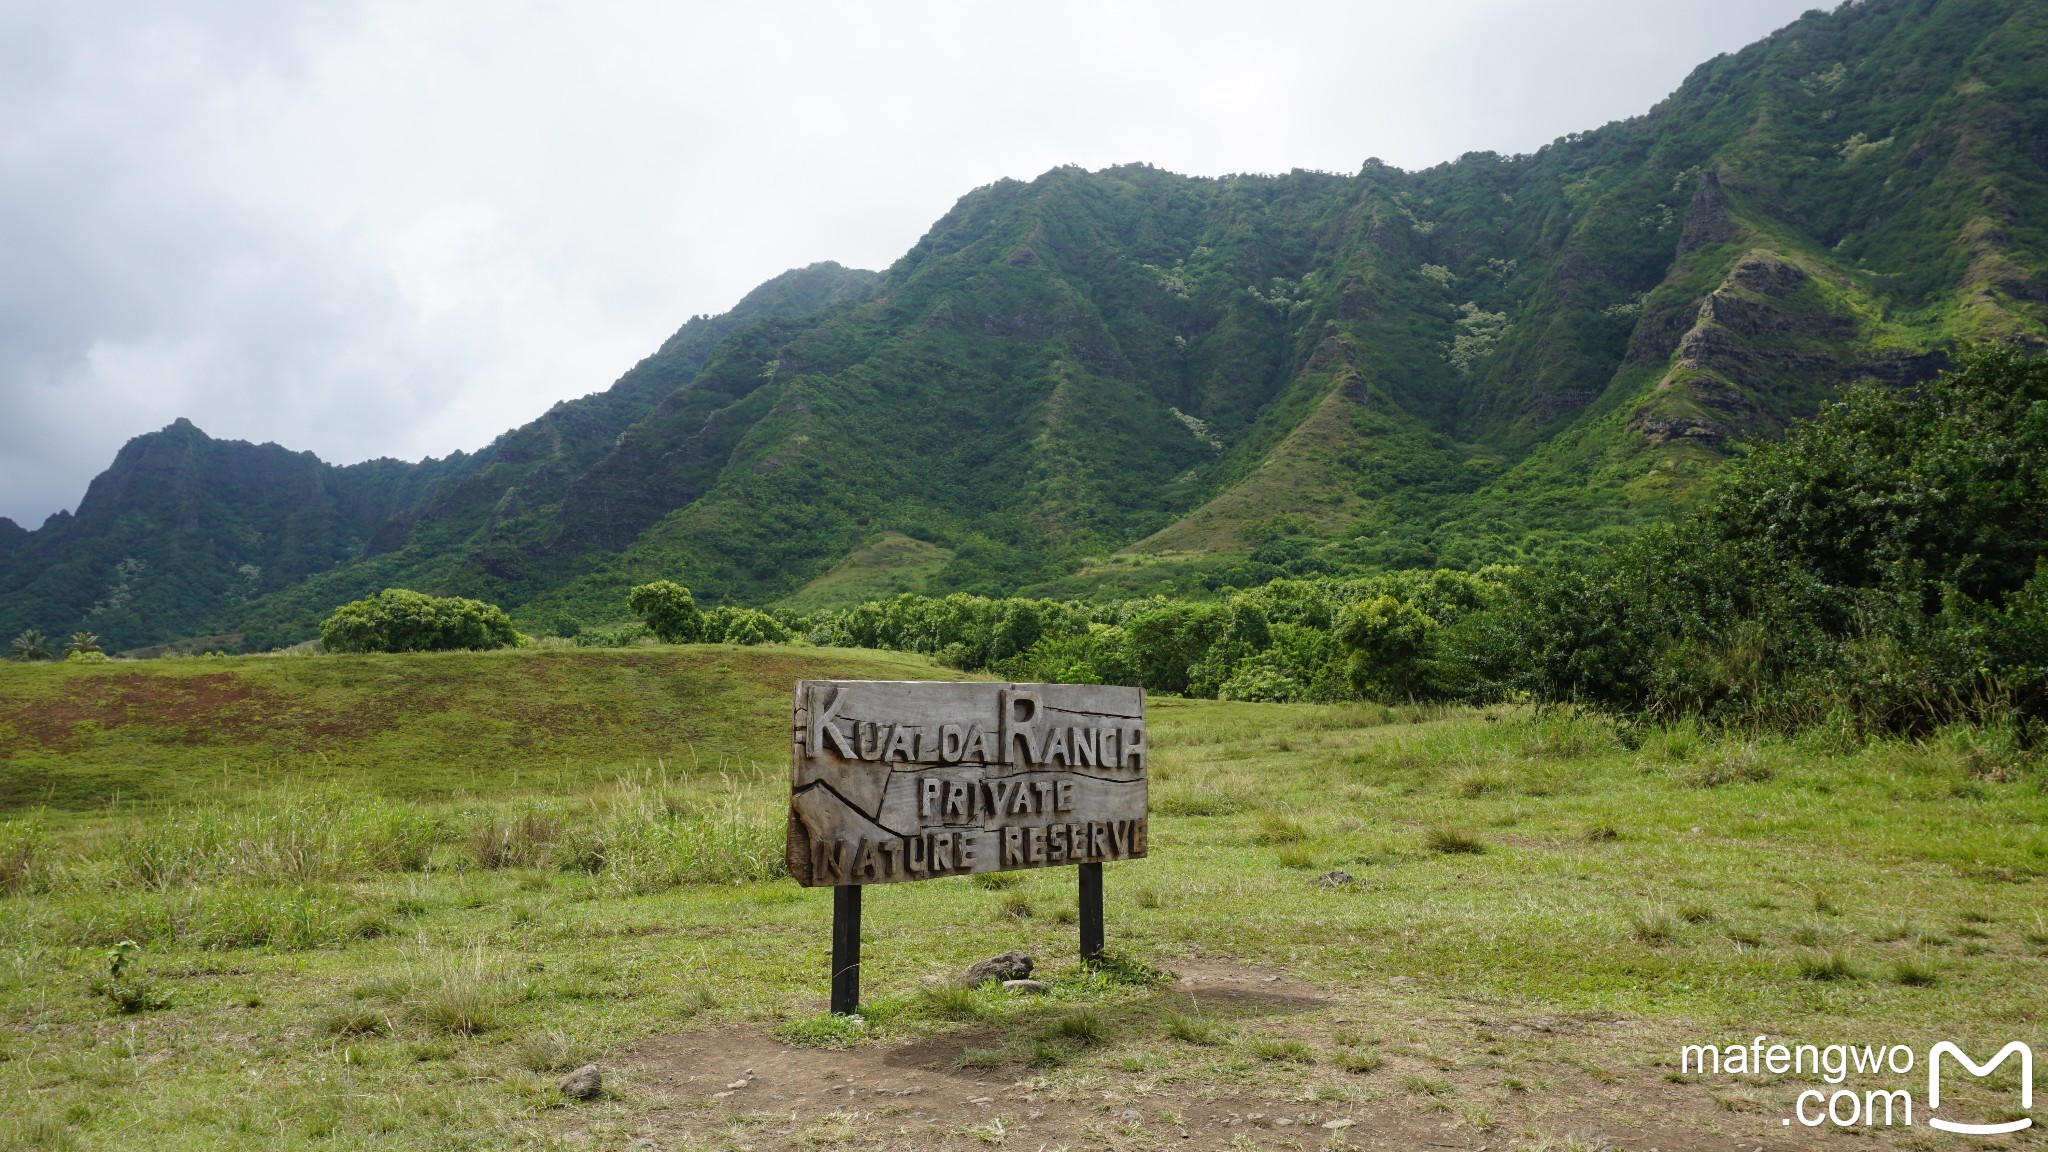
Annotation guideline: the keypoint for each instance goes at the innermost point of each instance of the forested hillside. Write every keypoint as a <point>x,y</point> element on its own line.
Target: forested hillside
<point>185,534</point>
<point>1100,383</point>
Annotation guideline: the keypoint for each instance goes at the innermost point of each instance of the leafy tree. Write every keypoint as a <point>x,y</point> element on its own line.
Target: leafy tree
<point>1245,633</point>
<point>1303,663</point>
<point>669,610</point>
<point>1389,642</point>
<point>30,645</point>
<point>727,624</point>
<point>82,645</point>
<point>1168,640</point>
<point>400,620</point>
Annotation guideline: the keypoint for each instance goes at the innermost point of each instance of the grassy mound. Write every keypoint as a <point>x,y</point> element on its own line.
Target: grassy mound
<point>420,726</point>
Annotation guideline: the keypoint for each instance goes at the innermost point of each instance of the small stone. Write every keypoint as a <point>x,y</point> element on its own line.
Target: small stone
<point>1338,1125</point>
<point>1027,987</point>
<point>1128,1116</point>
<point>740,1083</point>
<point>585,1083</point>
<point>1011,965</point>
<point>1334,878</point>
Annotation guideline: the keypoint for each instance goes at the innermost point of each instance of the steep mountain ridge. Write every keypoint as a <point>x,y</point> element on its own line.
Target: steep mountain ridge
<point>1102,382</point>
<point>186,534</point>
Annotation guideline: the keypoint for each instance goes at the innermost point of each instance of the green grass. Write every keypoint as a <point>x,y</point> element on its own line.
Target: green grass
<point>1454,842</point>
<point>358,951</point>
<point>415,728</point>
<point>1190,1028</point>
<point>891,564</point>
<point>1358,1063</point>
<point>1289,1051</point>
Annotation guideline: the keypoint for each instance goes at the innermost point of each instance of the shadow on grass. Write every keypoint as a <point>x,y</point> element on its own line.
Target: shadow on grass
<point>1042,1033</point>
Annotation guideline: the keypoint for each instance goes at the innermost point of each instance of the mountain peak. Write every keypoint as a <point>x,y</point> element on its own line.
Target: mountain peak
<point>1115,382</point>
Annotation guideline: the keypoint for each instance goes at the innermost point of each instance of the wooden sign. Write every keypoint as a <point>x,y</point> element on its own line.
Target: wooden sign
<point>896,780</point>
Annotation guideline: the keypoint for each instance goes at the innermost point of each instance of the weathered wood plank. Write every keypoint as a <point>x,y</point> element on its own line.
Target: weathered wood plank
<point>897,780</point>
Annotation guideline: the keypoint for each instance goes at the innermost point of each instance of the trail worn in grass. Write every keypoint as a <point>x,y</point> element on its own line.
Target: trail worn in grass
<point>398,930</point>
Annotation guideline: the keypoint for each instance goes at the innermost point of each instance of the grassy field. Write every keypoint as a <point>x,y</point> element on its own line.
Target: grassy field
<point>385,901</point>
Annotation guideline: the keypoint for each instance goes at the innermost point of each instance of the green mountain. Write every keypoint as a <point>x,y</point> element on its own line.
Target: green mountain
<point>1128,379</point>
<point>187,535</point>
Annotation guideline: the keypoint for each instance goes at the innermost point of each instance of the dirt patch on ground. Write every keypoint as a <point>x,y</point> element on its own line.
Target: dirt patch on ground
<point>210,707</point>
<point>1446,1082</point>
<point>197,708</point>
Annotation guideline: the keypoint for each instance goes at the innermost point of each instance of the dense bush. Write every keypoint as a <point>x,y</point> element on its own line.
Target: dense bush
<point>1881,567</point>
<point>726,624</point>
<point>399,620</point>
<point>668,610</point>
<point>1284,641</point>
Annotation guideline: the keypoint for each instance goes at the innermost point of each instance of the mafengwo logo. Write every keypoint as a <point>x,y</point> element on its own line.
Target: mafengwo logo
<point>1945,1048</point>
<point>1871,1107</point>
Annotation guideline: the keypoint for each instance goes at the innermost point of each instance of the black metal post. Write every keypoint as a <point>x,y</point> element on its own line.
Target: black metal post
<point>1091,911</point>
<point>846,949</point>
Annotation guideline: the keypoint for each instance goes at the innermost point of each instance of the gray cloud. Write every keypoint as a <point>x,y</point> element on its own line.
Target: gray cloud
<point>385,229</point>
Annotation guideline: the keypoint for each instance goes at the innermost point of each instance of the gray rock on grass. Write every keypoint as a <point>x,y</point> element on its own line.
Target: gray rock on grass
<point>585,1083</point>
<point>1011,965</point>
<point>1027,987</point>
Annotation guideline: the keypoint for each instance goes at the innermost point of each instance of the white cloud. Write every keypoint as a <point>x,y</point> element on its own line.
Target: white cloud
<point>398,229</point>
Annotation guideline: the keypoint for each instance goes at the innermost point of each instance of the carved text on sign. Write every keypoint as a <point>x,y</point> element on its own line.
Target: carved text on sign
<point>908,780</point>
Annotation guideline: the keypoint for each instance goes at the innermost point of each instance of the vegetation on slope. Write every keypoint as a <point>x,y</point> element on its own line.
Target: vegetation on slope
<point>1879,569</point>
<point>1500,359</point>
<point>186,534</point>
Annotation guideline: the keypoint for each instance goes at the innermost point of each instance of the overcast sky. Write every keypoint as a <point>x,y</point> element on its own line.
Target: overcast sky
<point>399,229</point>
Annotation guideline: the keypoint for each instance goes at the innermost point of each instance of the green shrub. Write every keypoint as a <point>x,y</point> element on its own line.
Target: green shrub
<point>668,609</point>
<point>399,620</point>
<point>1262,684</point>
<point>133,994</point>
<point>730,625</point>
<point>1884,567</point>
